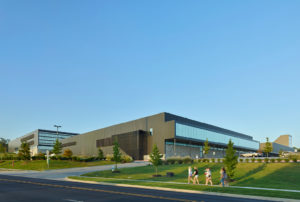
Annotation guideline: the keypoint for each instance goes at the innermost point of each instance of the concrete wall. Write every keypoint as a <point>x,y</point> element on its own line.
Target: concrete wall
<point>284,140</point>
<point>86,143</point>
<point>16,143</point>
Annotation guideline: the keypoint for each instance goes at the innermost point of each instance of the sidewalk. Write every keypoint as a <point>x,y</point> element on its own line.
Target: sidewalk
<point>189,191</point>
<point>168,182</point>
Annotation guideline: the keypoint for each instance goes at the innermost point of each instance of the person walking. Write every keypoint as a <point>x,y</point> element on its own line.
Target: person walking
<point>223,176</point>
<point>196,175</point>
<point>208,176</point>
<point>190,174</point>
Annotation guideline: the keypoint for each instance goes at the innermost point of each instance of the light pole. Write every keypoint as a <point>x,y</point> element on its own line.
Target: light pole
<point>57,127</point>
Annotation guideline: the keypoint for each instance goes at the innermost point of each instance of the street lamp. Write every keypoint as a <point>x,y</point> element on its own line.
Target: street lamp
<point>57,127</point>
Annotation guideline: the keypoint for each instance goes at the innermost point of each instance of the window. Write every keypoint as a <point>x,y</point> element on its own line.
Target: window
<point>203,134</point>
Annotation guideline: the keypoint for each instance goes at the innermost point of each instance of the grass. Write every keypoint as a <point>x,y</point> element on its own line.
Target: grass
<point>271,175</point>
<point>54,164</point>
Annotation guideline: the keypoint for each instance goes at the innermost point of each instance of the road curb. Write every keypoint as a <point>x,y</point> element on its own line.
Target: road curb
<point>187,191</point>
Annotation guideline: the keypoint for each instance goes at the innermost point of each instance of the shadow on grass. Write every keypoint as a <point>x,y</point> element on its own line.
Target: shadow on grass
<point>251,172</point>
<point>287,177</point>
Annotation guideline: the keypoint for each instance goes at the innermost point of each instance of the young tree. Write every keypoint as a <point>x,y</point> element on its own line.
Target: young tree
<point>280,153</point>
<point>24,151</point>
<point>100,154</point>
<point>268,147</point>
<point>57,147</point>
<point>155,157</point>
<point>117,154</point>
<point>231,160</point>
<point>68,153</point>
<point>206,148</point>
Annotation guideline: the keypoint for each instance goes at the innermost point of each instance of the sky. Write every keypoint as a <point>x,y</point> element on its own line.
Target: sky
<point>86,65</point>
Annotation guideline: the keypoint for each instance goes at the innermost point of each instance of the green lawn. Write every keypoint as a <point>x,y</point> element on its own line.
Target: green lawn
<point>54,164</point>
<point>271,175</point>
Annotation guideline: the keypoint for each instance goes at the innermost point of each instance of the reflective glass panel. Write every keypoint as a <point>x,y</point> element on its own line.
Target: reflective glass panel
<point>203,134</point>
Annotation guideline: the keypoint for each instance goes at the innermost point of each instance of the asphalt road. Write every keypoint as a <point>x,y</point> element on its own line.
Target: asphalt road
<point>18,189</point>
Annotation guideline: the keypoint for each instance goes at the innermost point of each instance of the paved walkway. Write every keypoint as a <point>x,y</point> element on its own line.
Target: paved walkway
<point>61,174</point>
<point>169,182</point>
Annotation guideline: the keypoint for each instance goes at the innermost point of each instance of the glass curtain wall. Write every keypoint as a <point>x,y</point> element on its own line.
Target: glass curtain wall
<point>216,137</point>
<point>47,139</point>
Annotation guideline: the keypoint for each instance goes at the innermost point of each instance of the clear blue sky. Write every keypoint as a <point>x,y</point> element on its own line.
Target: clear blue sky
<point>90,64</point>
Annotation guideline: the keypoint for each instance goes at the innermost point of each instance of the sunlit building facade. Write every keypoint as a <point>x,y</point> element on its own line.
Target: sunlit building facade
<point>174,136</point>
<point>39,140</point>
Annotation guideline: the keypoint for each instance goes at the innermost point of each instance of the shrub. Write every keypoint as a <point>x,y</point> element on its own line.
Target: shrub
<point>109,157</point>
<point>279,160</point>
<point>165,162</point>
<point>259,160</point>
<point>266,160</point>
<point>126,159</point>
<point>187,160</point>
<point>53,158</point>
<point>219,160</point>
<point>253,160</point>
<point>179,161</point>
<point>171,161</point>
<point>294,158</point>
<point>74,158</point>
<point>247,160</point>
<point>241,160</point>
<point>205,160</point>
<point>39,156</point>
<point>273,160</point>
<point>87,159</point>
<point>213,160</point>
<point>287,160</point>
<point>68,153</point>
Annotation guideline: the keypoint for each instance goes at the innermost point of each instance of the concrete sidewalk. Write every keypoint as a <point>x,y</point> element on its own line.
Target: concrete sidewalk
<point>170,182</point>
<point>240,196</point>
<point>61,174</point>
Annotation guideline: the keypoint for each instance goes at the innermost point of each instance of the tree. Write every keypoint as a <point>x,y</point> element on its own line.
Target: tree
<point>117,154</point>
<point>2,148</point>
<point>280,152</point>
<point>68,153</point>
<point>206,147</point>
<point>231,160</point>
<point>155,157</point>
<point>24,151</point>
<point>100,154</point>
<point>57,147</point>
<point>268,147</point>
<point>3,145</point>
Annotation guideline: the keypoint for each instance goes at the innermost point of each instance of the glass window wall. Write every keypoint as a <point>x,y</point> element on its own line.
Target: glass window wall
<point>203,134</point>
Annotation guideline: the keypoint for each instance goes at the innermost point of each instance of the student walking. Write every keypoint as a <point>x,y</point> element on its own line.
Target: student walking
<point>208,176</point>
<point>223,176</point>
<point>190,174</point>
<point>196,174</point>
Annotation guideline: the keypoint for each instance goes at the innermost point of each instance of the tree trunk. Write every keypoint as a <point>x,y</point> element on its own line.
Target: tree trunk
<point>156,170</point>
